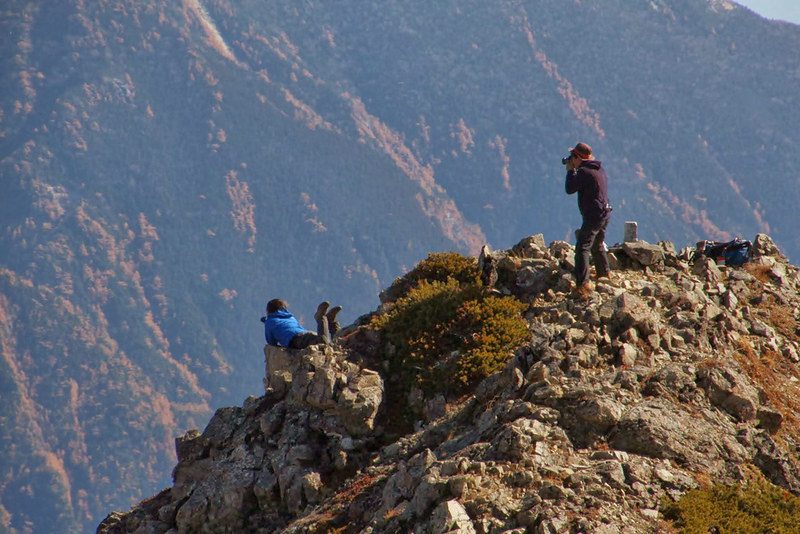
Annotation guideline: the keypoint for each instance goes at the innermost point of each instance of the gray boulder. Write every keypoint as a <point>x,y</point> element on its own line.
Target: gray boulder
<point>661,429</point>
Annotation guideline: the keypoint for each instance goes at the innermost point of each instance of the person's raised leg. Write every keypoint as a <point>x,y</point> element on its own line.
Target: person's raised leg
<point>333,322</point>
<point>322,322</point>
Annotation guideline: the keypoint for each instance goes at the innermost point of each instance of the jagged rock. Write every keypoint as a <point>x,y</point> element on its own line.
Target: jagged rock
<point>519,438</point>
<point>633,312</point>
<point>769,419</point>
<point>644,253</point>
<point>671,256</point>
<point>561,250</point>
<point>359,402</point>
<point>660,429</point>
<point>774,462</point>
<point>222,425</point>
<point>451,517</point>
<point>278,369</point>
<point>656,385</point>
<point>317,380</point>
<point>599,412</point>
<point>190,445</point>
<point>220,501</point>
<point>706,268</point>
<point>763,245</point>
<point>531,247</point>
<point>730,391</point>
<point>532,280</point>
<point>673,380</point>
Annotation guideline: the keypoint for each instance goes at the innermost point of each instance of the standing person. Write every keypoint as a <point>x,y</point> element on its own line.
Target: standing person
<point>281,328</point>
<point>585,176</point>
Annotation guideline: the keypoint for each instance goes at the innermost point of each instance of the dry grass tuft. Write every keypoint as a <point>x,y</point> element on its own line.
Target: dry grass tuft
<point>778,378</point>
<point>759,272</point>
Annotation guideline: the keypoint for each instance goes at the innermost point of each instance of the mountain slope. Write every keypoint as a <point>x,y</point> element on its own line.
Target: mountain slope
<point>673,375</point>
<point>167,167</point>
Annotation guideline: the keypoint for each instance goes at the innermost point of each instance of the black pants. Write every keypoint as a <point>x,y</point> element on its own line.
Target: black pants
<point>590,241</point>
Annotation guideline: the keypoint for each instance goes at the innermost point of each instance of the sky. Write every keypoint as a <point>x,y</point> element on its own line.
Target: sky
<point>788,10</point>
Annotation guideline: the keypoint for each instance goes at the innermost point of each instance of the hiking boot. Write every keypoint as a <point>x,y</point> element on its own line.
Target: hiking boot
<point>322,309</point>
<point>583,291</point>
<point>333,324</point>
<point>333,312</point>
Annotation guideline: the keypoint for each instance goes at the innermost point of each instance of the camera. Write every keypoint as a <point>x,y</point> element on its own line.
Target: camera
<point>566,159</point>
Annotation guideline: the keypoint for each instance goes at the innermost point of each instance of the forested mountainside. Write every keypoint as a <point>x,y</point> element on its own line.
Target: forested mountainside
<point>166,167</point>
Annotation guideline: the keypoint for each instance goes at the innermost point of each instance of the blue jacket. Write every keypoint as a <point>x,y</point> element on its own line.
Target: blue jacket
<point>281,327</point>
<point>591,184</point>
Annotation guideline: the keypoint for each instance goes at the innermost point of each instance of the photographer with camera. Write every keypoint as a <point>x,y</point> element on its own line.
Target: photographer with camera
<point>585,176</point>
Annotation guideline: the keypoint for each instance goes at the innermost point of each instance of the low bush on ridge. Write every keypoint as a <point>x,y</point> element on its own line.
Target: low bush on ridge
<point>761,507</point>
<point>446,332</point>
<point>437,267</point>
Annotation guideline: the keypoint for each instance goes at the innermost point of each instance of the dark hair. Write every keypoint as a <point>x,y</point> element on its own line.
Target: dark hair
<point>275,305</point>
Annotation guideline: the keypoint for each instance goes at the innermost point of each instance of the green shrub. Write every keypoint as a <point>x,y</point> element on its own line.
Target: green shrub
<point>488,328</point>
<point>446,334</point>
<point>437,267</point>
<point>762,507</point>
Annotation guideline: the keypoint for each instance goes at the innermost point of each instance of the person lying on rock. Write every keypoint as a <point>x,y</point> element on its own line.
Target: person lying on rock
<point>282,329</point>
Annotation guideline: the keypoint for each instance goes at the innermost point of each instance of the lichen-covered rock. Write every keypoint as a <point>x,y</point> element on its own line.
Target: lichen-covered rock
<point>451,517</point>
<point>644,253</point>
<point>730,391</point>
<point>661,429</point>
<point>324,381</point>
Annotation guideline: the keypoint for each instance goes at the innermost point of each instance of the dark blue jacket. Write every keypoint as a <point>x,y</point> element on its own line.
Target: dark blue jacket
<point>281,327</point>
<point>591,184</point>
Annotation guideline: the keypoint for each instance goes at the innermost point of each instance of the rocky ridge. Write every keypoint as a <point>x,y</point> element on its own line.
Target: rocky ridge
<point>672,375</point>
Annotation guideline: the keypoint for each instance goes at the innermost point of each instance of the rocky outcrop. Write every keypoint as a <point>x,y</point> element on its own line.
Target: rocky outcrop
<point>671,375</point>
<point>345,394</point>
<point>256,467</point>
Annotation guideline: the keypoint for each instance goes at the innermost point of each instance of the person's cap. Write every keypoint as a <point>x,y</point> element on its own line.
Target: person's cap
<point>582,150</point>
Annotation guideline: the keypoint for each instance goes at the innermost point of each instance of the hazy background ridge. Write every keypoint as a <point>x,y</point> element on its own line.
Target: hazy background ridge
<point>168,167</point>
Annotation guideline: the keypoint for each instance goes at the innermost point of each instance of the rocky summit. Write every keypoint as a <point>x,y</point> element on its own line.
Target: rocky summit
<point>675,373</point>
